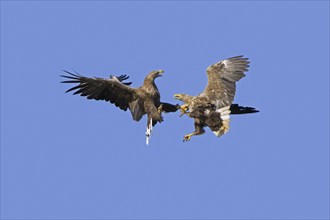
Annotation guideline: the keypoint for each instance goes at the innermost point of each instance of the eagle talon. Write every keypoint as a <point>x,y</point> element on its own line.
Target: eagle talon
<point>182,113</point>
<point>187,137</point>
<point>160,109</point>
<point>184,109</point>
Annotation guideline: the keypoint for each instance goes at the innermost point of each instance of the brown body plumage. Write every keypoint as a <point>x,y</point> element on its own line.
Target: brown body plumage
<point>140,101</point>
<point>212,107</point>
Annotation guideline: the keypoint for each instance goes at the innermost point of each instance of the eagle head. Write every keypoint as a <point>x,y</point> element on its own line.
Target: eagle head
<point>184,97</point>
<point>180,97</point>
<point>155,73</point>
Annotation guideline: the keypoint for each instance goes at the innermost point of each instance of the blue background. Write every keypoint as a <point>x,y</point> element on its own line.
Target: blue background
<point>63,156</point>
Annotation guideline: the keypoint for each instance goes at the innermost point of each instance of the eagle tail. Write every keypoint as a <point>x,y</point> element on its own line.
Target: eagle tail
<point>153,118</point>
<point>225,117</point>
<point>149,131</point>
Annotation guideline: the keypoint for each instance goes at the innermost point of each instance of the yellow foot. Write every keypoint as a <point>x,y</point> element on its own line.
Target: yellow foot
<point>184,109</point>
<point>224,130</point>
<point>160,109</point>
<point>225,127</point>
<point>187,137</point>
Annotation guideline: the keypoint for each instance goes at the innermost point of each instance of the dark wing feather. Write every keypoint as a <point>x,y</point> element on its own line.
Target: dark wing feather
<point>167,107</point>
<point>121,78</point>
<point>236,109</point>
<point>113,89</point>
<point>222,78</point>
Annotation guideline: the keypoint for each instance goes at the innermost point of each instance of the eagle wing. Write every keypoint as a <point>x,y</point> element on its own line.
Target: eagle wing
<point>113,89</point>
<point>222,78</point>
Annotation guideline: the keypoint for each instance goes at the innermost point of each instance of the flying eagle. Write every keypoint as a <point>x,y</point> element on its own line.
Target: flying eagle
<point>212,107</point>
<point>140,101</point>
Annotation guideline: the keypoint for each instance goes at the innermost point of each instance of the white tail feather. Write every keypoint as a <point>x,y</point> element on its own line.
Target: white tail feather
<point>147,140</point>
<point>224,115</point>
<point>148,132</point>
<point>224,109</point>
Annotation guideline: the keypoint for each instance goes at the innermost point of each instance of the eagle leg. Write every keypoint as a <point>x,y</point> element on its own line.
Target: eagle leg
<point>187,137</point>
<point>184,109</point>
<point>199,130</point>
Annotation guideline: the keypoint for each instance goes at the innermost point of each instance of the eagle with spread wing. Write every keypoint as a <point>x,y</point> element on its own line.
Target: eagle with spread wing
<point>140,101</point>
<point>212,107</point>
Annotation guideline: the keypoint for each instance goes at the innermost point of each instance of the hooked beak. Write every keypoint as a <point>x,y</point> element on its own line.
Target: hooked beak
<point>160,73</point>
<point>176,96</point>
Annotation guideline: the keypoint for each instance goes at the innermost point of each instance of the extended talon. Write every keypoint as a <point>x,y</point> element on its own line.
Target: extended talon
<point>160,109</point>
<point>187,137</point>
<point>224,129</point>
<point>184,109</point>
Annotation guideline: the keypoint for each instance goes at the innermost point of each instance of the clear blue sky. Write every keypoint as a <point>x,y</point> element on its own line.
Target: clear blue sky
<point>64,156</point>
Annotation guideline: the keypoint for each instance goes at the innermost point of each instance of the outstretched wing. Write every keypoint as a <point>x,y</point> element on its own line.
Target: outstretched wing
<point>222,78</point>
<point>112,89</point>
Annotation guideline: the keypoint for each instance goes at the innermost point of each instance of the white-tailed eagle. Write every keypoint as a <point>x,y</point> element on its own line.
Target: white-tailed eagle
<point>140,101</point>
<point>212,107</point>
